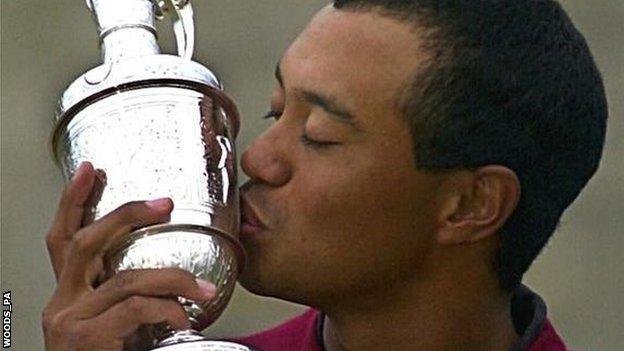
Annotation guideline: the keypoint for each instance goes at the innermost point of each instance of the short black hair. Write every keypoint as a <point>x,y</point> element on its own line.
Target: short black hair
<point>512,83</point>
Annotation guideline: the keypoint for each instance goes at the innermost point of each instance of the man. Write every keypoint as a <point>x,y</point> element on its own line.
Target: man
<point>422,155</point>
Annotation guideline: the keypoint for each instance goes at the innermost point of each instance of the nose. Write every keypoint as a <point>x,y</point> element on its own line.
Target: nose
<point>264,161</point>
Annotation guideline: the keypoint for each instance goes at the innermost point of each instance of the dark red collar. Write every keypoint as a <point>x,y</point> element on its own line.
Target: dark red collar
<point>528,312</point>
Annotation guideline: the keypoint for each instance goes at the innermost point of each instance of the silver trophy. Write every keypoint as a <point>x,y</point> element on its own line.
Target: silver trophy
<point>157,125</point>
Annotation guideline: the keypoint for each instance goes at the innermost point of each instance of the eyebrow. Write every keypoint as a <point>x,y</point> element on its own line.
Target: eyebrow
<point>327,103</point>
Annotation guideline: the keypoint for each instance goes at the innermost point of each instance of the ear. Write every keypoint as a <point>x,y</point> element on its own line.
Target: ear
<point>478,204</point>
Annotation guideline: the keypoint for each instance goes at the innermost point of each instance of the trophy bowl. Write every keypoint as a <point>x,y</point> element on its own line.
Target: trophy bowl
<point>211,256</point>
<point>159,138</point>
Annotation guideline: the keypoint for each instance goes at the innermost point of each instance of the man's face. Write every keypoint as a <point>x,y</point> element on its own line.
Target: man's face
<point>352,216</point>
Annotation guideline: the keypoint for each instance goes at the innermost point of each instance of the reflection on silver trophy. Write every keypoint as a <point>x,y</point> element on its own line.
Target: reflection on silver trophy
<point>156,126</point>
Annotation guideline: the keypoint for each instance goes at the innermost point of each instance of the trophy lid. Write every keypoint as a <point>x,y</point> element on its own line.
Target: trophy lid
<point>114,76</point>
<point>130,51</point>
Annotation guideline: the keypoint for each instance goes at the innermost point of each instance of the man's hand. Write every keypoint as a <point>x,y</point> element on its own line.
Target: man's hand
<point>82,317</point>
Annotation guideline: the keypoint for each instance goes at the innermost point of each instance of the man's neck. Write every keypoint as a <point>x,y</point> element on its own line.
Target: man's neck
<point>432,317</point>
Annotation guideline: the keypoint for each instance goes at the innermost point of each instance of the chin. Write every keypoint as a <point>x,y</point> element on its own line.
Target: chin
<point>258,282</point>
<point>274,287</point>
<point>251,284</point>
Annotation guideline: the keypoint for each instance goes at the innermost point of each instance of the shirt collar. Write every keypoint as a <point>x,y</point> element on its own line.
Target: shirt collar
<point>528,312</point>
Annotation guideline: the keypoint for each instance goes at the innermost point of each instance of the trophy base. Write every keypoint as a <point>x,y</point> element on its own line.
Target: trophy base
<point>191,340</point>
<point>204,345</point>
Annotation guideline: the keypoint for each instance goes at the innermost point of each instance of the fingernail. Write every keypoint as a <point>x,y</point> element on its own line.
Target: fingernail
<point>159,204</point>
<point>208,289</point>
<point>80,170</point>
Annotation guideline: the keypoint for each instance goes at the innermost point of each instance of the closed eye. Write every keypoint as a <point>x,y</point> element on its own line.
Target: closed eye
<point>304,139</point>
<point>316,144</point>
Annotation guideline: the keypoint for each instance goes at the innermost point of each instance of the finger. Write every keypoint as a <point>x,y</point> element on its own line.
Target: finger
<point>90,205</point>
<point>169,282</point>
<point>125,317</point>
<point>69,214</point>
<point>90,242</point>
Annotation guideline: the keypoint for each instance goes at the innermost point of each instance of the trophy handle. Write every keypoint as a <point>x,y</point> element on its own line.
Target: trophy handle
<point>181,13</point>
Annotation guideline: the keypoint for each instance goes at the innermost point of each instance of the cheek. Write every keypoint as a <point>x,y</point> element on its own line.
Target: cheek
<point>348,205</point>
<point>328,199</point>
<point>360,226</point>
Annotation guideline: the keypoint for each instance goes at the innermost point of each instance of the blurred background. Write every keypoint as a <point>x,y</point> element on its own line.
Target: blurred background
<point>46,44</point>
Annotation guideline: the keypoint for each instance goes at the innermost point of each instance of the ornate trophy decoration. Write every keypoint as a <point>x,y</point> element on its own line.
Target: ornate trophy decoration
<point>157,125</point>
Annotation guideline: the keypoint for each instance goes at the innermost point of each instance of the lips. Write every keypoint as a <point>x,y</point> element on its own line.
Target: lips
<point>250,223</point>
